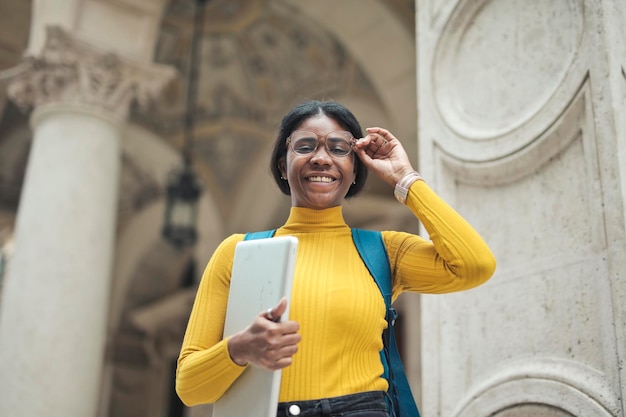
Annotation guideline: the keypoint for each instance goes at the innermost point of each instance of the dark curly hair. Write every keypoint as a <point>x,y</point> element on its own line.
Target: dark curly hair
<point>296,117</point>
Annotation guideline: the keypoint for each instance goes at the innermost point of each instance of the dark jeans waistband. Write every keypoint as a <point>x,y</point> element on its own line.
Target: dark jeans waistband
<point>326,407</point>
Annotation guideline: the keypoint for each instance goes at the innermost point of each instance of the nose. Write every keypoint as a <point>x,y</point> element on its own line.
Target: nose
<point>321,156</point>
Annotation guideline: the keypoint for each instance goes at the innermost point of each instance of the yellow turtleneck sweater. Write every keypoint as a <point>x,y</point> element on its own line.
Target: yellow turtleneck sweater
<point>335,300</point>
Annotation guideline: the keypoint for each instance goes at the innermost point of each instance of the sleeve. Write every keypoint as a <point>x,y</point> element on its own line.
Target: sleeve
<point>205,369</point>
<point>455,259</point>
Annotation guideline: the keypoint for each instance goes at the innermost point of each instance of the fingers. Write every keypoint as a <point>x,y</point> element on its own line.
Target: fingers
<point>373,139</point>
<point>279,352</point>
<point>274,313</point>
<point>383,154</point>
<point>267,343</point>
<point>380,135</point>
<point>274,348</point>
<point>378,142</point>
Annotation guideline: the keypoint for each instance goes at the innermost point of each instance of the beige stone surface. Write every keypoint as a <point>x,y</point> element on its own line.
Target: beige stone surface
<point>521,128</point>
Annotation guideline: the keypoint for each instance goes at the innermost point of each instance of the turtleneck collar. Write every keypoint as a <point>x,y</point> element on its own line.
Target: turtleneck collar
<point>310,220</point>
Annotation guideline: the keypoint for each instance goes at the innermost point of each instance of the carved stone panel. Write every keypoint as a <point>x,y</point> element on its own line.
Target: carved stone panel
<point>516,133</point>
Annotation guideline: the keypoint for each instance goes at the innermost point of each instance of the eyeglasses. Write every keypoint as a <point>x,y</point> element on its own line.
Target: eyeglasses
<point>338,144</point>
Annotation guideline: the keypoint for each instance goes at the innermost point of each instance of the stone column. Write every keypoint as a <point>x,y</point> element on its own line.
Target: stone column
<point>55,298</point>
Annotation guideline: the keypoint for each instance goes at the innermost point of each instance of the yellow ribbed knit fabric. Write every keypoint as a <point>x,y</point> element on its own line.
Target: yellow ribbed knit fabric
<point>336,302</point>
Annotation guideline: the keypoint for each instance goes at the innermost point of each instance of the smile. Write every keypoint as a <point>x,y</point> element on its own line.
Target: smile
<point>320,179</point>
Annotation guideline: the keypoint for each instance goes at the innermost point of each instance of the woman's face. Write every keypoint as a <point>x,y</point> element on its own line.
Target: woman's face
<point>318,180</point>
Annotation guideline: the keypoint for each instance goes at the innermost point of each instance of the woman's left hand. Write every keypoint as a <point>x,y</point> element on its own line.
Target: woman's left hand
<point>383,154</point>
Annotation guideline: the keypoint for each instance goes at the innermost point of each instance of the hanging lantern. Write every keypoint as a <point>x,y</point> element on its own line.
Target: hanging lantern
<point>181,211</point>
<point>183,188</point>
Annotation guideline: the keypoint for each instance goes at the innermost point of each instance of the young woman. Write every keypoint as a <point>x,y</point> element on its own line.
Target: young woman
<point>329,349</point>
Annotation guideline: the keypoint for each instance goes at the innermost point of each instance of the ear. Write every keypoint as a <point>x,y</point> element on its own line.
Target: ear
<point>282,167</point>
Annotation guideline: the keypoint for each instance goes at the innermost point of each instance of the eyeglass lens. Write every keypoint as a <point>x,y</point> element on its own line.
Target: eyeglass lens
<point>337,143</point>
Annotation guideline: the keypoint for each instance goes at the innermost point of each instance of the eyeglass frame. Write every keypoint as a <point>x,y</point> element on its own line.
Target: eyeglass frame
<point>319,138</point>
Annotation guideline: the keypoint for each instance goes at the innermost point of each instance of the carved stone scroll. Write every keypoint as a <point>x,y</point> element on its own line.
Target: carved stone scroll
<point>72,72</point>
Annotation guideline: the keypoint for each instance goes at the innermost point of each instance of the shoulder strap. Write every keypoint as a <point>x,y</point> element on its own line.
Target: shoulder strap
<point>371,247</point>
<point>260,235</point>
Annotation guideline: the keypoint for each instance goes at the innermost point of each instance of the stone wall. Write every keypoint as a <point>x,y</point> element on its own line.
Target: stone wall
<point>522,129</point>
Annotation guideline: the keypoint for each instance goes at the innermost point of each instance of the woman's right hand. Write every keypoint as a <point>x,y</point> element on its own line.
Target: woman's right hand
<point>383,154</point>
<point>266,343</point>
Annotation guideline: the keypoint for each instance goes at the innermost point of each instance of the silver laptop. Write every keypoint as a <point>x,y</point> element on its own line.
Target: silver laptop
<point>262,274</point>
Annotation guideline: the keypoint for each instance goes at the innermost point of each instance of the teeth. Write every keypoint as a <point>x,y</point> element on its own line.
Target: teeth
<point>320,179</point>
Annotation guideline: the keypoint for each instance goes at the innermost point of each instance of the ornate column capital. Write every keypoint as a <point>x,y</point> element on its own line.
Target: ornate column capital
<point>70,71</point>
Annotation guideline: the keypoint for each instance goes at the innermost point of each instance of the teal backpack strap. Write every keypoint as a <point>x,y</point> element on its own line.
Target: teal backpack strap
<point>372,249</point>
<point>260,235</point>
